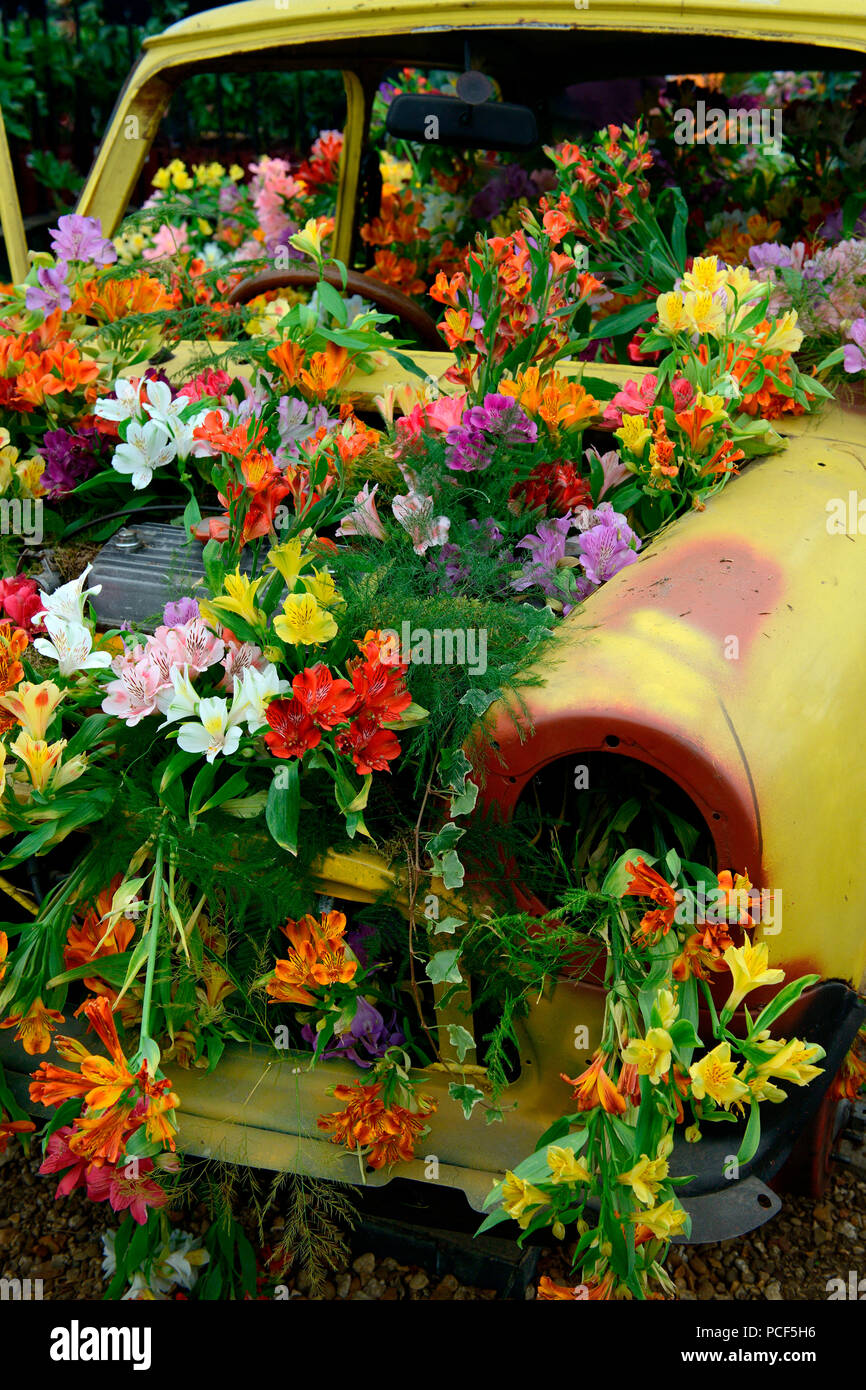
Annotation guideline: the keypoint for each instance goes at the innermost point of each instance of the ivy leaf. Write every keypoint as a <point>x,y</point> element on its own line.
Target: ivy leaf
<point>443,968</point>
<point>461,1039</point>
<point>447,926</point>
<point>467,1096</point>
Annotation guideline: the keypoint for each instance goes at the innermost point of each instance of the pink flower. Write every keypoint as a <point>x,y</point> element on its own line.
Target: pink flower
<point>127,1187</point>
<point>364,519</point>
<point>191,645</point>
<point>169,241</point>
<point>207,383</point>
<point>613,469</point>
<point>239,657</point>
<point>134,694</point>
<point>683,392</point>
<point>59,1157</point>
<point>446,413</point>
<point>415,515</point>
<point>633,399</point>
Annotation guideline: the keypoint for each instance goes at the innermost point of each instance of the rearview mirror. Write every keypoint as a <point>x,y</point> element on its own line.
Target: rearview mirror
<point>491,125</point>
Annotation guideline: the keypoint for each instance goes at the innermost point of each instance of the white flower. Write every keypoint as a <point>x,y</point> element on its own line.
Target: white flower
<point>217,732</point>
<point>124,405</point>
<point>180,699</point>
<point>147,447</point>
<point>182,434</point>
<point>253,690</point>
<point>71,646</point>
<point>67,602</point>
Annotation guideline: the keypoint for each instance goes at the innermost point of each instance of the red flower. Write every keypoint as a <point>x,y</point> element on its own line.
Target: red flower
<point>19,599</point>
<point>380,690</point>
<point>292,730</point>
<point>370,747</point>
<point>328,701</point>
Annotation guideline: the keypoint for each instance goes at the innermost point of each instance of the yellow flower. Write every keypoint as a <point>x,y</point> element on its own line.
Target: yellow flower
<point>792,1061</point>
<point>40,758</point>
<point>304,623</point>
<point>634,433</point>
<point>668,1008</point>
<point>235,172</point>
<point>713,1076</point>
<point>784,336</point>
<point>704,276</point>
<point>692,1134</point>
<point>309,238</point>
<point>29,472</point>
<point>33,705</point>
<point>651,1055</point>
<point>204,227</point>
<point>761,1088</point>
<point>566,1166</point>
<point>664,1221</point>
<point>289,559</point>
<point>519,1198</point>
<point>645,1178</point>
<point>671,312</point>
<point>748,965</point>
<point>739,282</point>
<point>704,314</point>
<point>240,598</point>
<point>161,178</point>
<point>321,585</point>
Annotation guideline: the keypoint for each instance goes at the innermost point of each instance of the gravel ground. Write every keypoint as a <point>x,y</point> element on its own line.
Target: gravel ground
<point>792,1257</point>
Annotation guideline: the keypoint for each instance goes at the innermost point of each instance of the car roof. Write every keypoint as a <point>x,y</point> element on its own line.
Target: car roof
<point>840,23</point>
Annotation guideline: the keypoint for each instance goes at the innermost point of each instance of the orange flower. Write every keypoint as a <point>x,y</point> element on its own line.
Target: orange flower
<point>13,643</point>
<point>399,271</point>
<point>646,883</point>
<point>91,940</point>
<point>8,1127</point>
<point>4,951</point>
<point>318,959</point>
<point>101,1081</point>
<point>288,357</point>
<point>326,370</point>
<point>594,1087</point>
<point>109,300</point>
<point>387,1134</point>
<point>35,1028</point>
<point>590,1290</point>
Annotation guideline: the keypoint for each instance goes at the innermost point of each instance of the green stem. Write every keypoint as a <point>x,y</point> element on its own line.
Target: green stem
<point>152,944</point>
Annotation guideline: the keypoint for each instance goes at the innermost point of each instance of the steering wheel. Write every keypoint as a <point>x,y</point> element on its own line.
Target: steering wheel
<point>385,297</point>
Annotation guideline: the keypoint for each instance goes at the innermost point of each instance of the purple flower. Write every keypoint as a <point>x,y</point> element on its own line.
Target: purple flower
<point>770,253</point>
<point>184,611</point>
<point>499,421</point>
<point>228,198</point>
<point>54,292</point>
<point>547,548</point>
<point>854,357</point>
<point>296,420</point>
<point>70,458</point>
<point>368,1031</point>
<point>80,239</point>
<point>605,550</point>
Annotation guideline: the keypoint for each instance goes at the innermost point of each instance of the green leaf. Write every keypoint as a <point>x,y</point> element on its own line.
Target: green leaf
<point>752,1136</point>
<point>467,1096</point>
<point>446,927</point>
<point>782,1001</point>
<point>623,322</point>
<point>109,968</point>
<point>332,302</point>
<point>283,809</point>
<point>442,968</point>
<point>461,1039</point>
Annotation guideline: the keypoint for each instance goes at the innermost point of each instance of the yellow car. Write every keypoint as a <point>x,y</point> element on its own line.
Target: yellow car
<point>726,664</point>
